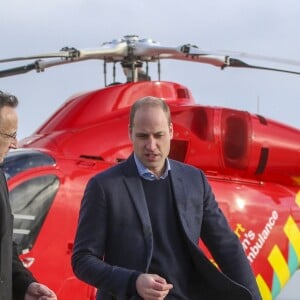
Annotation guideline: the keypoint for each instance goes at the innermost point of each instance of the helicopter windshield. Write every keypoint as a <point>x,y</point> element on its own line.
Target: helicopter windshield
<point>20,160</point>
<point>30,203</point>
<point>32,199</point>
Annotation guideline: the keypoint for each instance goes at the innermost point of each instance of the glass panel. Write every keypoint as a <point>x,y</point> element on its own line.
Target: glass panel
<point>30,202</point>
<point>20,160</point>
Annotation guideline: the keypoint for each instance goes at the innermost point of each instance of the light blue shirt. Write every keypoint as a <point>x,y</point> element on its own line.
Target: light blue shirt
<point>147,174</point>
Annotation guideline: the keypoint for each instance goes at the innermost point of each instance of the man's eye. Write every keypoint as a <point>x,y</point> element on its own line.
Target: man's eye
<point>142,136</point>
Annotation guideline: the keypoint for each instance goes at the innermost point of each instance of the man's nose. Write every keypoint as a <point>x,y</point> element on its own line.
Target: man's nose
<point>13,144</point>
<point>151,145</point>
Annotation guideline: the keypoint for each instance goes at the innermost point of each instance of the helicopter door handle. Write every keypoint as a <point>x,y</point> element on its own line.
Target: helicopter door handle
<point>70,247</point>
<point>27,261</point>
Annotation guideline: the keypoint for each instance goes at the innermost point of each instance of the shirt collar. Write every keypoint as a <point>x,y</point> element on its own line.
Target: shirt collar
<point>147,174</point>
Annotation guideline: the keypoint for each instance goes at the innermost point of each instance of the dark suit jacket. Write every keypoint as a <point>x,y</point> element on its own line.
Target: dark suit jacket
<point>114,236</point>
<point>14,277</point>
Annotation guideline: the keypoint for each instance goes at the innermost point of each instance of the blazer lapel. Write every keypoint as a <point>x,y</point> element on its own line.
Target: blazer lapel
<point>180,196</point>
<point>134,185</point>
<point>138,198</point>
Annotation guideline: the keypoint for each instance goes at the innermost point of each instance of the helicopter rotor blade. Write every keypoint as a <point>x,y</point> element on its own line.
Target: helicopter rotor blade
<point>236,63</point>
<point>113,51</point>
<point>245,55</point>
<point>151,51</point>
<point>106,50</point>
<point>38,65</point>
<point>110,52</point>
<point>17,70</point>
<point>193,53</point>
<point>69,53</point>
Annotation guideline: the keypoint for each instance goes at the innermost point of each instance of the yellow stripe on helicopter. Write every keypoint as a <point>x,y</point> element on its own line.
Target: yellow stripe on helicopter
<point>282,267</point>
<point>298,198</point>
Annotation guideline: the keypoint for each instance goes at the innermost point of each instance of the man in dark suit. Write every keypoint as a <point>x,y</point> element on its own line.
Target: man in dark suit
<point>140,223</point>
<point>16,282</point>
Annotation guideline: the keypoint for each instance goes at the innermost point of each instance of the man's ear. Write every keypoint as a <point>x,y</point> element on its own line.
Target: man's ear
<point>171,130</point>
<point>130,132</point>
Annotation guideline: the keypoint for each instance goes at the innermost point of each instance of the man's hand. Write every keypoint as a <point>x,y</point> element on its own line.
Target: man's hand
<point>37,291</point>
<point>152,287</point>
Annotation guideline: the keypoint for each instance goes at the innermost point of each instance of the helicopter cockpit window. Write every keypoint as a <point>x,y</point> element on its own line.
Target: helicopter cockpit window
<point>20,160</point>
<point>30,204</point>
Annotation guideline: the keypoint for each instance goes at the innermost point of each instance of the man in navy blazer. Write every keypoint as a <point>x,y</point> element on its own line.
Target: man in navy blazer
<point>140,223</point>
<point>16,281</point>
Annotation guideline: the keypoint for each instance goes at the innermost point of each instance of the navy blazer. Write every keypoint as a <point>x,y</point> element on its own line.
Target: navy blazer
<point>14,277</point>
<point>114,236</point>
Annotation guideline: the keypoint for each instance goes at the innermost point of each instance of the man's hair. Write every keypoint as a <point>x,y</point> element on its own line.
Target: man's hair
<point>149,101</point>
<point>8,100</point>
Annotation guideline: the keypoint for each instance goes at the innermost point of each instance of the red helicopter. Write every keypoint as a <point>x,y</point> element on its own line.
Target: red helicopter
<point>253,163</point>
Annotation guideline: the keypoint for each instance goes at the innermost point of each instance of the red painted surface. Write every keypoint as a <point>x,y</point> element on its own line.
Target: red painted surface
<point>253,165</point>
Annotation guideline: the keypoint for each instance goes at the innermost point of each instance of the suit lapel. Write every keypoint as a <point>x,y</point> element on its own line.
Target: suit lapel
<point>134,185</point>
<point>138,198</point>
<point>180,195</point>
